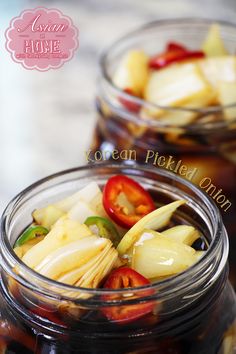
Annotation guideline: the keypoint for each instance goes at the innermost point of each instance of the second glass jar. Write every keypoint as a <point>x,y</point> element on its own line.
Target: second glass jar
<point>207,147</point>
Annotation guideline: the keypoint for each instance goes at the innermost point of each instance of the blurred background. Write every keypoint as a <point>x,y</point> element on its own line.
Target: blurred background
<point>47,119</point>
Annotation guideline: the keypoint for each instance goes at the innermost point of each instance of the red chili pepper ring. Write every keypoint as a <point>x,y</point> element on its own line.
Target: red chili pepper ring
<point>126,201</point>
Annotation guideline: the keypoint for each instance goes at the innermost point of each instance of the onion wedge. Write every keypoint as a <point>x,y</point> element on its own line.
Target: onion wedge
<point>154,221</point>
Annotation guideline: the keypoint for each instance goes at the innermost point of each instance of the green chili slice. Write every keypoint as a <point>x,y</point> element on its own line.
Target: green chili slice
<point>104,228</point>
<point>30,233</point>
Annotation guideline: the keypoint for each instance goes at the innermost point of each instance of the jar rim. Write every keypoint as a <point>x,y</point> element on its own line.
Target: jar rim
<point>219,240</point>
<point>107,81</point>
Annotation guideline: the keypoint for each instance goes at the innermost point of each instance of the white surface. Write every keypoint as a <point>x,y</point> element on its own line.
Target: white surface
<point>47,119</point>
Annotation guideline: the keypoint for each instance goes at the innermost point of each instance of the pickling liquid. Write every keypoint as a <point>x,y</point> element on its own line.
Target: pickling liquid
<point>208,327</point>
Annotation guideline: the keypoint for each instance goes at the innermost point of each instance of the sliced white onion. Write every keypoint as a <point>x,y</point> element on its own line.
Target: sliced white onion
<point>154,221</point>
<point>93,277</point>
<point>90,198</point>
<point>47,216</point>
<point>62,233</point>
<point>71,256</point>
<point>182,233</point>
<point>76,274</point>
<point>20,251</point>
<point>87,194</point>
<point>161,256</point>
<point>80,212</point>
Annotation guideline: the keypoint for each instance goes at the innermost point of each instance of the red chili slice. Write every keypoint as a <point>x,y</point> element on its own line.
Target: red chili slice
<point>123,278</point>
<point>174,56</point>
<point>140,200</point>
<point>171,46</point>
<point>128,104</point>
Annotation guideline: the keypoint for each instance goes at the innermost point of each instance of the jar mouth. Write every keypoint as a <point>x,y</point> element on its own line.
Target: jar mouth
<point>32,280</point>
<point>107,83</point>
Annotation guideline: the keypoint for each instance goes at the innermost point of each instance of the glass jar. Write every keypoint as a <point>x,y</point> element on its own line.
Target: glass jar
<point>207,146</point>
<point>193,312</point>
